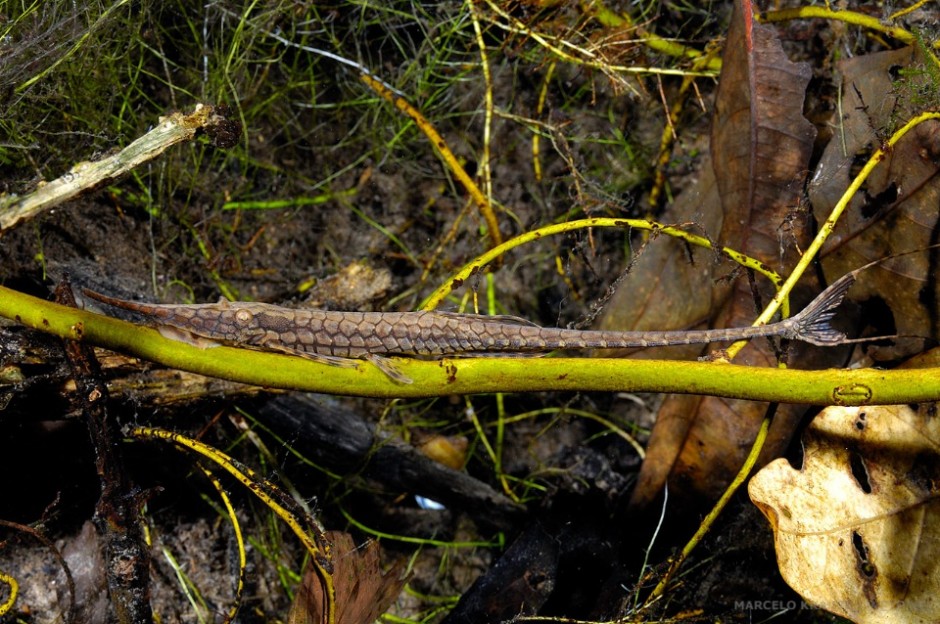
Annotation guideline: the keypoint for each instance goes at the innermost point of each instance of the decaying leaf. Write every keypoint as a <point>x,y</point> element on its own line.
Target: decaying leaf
<point>896,210</point>
<point>363,590</point>
<point>761,143</point>
<point>760,149</point>
<point>857,529</point>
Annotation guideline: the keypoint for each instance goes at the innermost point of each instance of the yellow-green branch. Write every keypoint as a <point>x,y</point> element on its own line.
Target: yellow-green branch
<point>849,17</point>
<point>479,198</point>
<point>477,264</point>
<point>480,375</point>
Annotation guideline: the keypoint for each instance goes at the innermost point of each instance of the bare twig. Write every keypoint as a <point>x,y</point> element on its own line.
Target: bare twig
<point>172,129</point>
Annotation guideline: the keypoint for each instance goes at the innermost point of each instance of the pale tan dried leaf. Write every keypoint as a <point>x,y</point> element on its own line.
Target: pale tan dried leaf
<point>857,529</point>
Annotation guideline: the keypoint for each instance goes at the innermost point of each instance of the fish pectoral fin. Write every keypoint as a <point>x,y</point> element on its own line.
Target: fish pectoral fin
<point>383,364</point>
<point>386,366</point>
<point>331,360</point>
<point>181,335</point>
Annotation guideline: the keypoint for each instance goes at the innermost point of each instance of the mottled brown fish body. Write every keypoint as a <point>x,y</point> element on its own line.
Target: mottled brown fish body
<point>215,321</point>
<point>360,334</point>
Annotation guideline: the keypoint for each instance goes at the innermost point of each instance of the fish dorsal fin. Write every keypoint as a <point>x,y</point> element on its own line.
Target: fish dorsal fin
<point>486,318</point>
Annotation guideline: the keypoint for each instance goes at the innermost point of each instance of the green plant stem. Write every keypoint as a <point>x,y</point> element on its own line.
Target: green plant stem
<point>612,19</point>
<point>709,521</point>
<point>827,227</point>
<point>477,264</point>
<point>849,17</point>
<point>480,375</point>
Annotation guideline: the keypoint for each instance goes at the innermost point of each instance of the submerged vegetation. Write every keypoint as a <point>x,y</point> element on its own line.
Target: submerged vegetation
<point>376,148</point>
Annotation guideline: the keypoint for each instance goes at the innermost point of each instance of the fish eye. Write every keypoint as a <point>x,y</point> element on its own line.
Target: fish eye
<point>243,316</point>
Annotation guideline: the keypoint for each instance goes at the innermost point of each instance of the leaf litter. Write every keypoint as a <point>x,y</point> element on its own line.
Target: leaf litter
<point>857,527</point>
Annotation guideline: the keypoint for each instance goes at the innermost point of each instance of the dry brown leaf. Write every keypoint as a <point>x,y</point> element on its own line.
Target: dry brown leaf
<point>363,590</point>
<point>896,210</point>
<point>761,144</point>
<point>857,529</point>
<point>760,149</point>
<point>450,451</point>
<point>670,285</point>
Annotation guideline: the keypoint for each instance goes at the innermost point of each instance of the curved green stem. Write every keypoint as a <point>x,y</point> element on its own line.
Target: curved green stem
<point>848,17</point>
<point>830,223</point>
<point>477,264</point>
<point>479,375</point>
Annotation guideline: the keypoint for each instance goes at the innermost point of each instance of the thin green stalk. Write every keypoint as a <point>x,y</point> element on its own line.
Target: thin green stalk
<point>709,520</point>
<point>480,375</point>
<point>829,224</point>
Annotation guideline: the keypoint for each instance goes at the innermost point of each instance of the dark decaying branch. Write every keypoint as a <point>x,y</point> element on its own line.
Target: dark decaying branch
<point>116,513</point>
<point>340,440</point>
